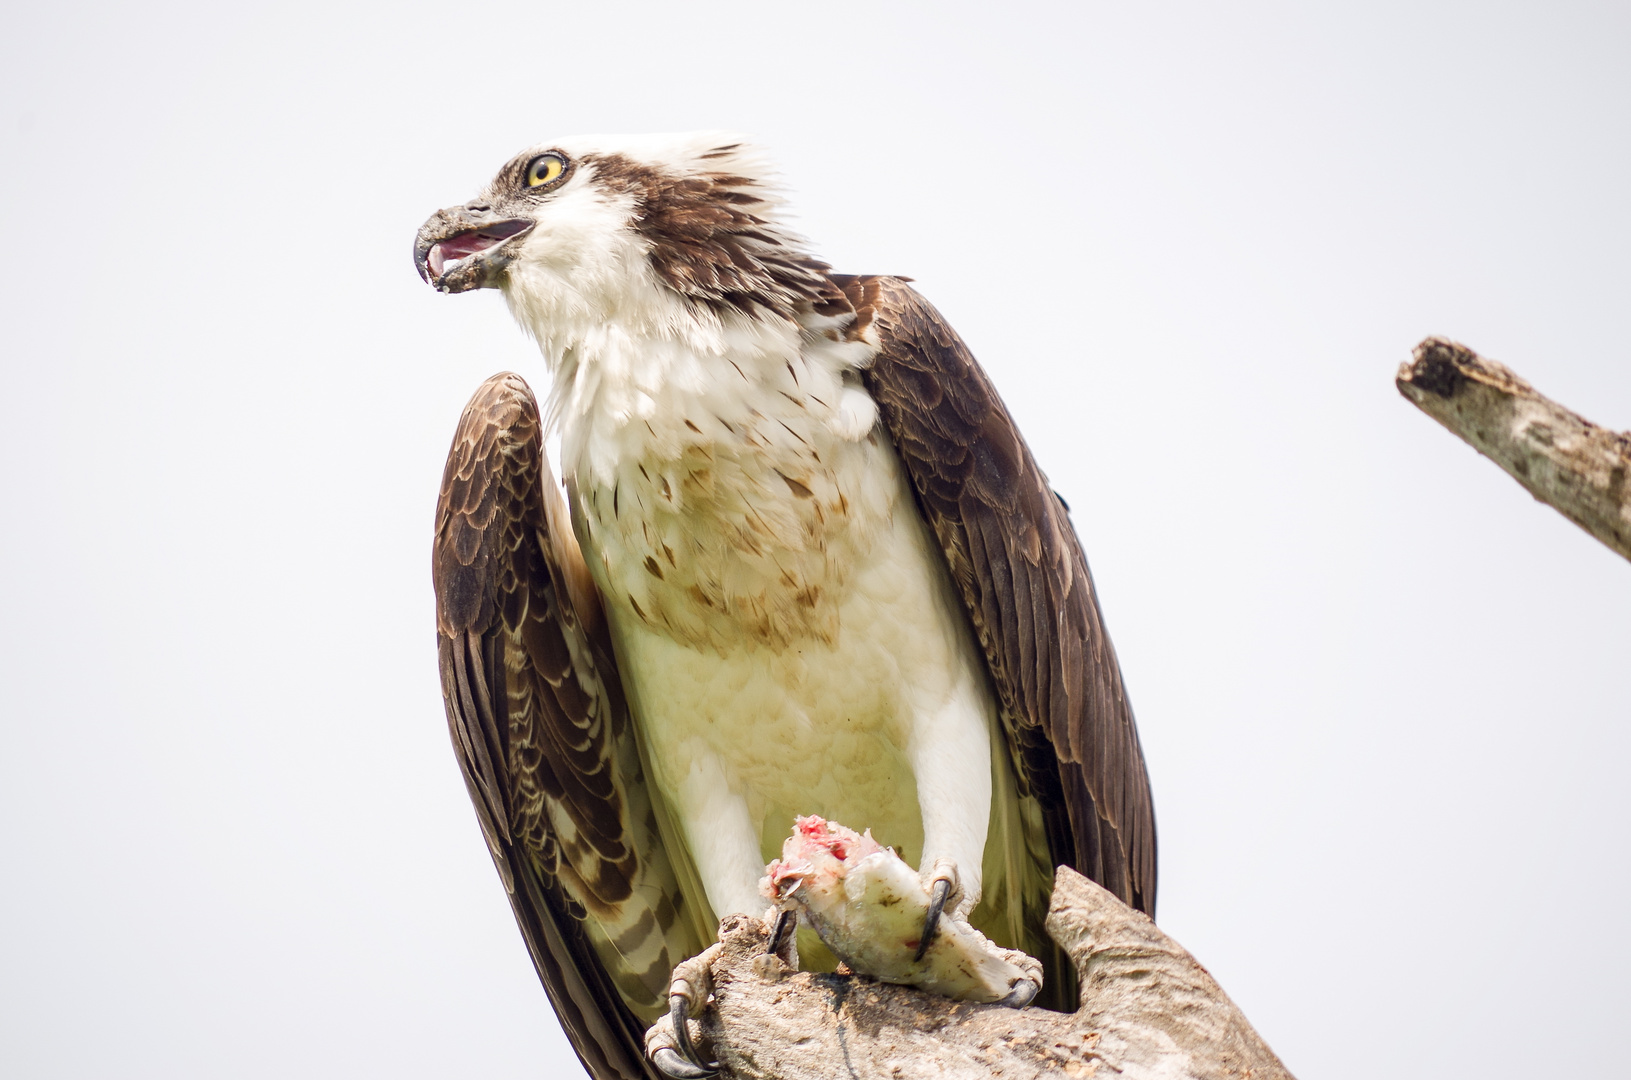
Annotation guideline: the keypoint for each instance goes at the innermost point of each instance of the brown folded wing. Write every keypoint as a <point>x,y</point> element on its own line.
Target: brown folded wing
<point>542,735</point>
<point>1024,581</point>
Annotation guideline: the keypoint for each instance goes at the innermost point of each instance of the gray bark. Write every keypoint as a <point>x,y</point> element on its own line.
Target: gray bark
<point>1563,459</point>
<point>1148,1010</point>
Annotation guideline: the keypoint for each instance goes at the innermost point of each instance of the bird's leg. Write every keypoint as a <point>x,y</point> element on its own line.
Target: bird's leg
<point>944,888</point>
<point>951,752</point>
<point>669,1046</point>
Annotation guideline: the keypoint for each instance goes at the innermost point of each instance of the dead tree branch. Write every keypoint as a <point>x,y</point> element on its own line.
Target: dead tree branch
<point>1148,1011</point>
<point>1561,458</point>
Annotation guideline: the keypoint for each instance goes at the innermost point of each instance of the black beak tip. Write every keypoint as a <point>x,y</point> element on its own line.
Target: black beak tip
<point>421,260</point>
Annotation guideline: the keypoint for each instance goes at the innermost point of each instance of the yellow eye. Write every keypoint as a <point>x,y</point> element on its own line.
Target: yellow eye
<point>545,169</point>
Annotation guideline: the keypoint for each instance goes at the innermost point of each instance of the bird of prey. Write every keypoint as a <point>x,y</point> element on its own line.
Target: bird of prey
<point>805,564</point>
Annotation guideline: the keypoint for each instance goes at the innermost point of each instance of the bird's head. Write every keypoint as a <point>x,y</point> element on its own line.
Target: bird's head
<point>576,230</point>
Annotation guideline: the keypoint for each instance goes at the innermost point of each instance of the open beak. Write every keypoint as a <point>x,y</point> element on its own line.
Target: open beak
<point>459,249</point>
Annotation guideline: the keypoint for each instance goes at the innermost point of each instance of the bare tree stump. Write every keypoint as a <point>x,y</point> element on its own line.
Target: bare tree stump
<point>1148,1010</point>
<point>1563,459</point>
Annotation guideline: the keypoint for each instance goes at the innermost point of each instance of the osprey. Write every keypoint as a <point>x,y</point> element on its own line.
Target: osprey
<point>805,565</point>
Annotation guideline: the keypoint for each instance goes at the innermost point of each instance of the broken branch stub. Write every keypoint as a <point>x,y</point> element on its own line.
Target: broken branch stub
<point>1562,458</point>
<point>1148,1010</point>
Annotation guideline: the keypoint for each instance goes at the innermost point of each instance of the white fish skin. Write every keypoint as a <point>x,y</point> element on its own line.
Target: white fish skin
<point>868,906</point>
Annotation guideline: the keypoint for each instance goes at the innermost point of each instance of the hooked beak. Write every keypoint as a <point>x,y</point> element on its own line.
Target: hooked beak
<point>461,248</point>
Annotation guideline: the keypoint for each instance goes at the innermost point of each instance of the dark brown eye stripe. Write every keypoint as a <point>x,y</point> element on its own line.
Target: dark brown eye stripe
<point>711,239</point>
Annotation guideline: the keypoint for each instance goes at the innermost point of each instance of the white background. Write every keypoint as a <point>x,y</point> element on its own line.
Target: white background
<point>1383,693</point>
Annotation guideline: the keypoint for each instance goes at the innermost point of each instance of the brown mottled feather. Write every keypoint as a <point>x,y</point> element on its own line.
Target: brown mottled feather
<point>1025,584</point>
<point>543,738</point>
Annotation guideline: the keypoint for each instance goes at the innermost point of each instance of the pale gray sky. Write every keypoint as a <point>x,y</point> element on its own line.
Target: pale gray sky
<point>1383,694</point>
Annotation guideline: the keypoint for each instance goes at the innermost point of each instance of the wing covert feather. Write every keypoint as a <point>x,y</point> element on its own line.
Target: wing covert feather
<point>541,732</point>
<point>1025,584</point>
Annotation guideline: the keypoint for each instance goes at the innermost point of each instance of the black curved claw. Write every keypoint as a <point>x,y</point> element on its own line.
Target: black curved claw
<point>670,1063</point>
<point>931,921</point>
<point>1021,994</point>
<point>682,1064</point>
<point>779,932</point>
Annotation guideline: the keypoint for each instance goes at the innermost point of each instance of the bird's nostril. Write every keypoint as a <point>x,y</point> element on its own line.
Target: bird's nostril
<point>480,208</point>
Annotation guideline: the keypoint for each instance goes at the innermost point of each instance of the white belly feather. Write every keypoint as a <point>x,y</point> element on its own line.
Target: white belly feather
<point>852,728</point>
